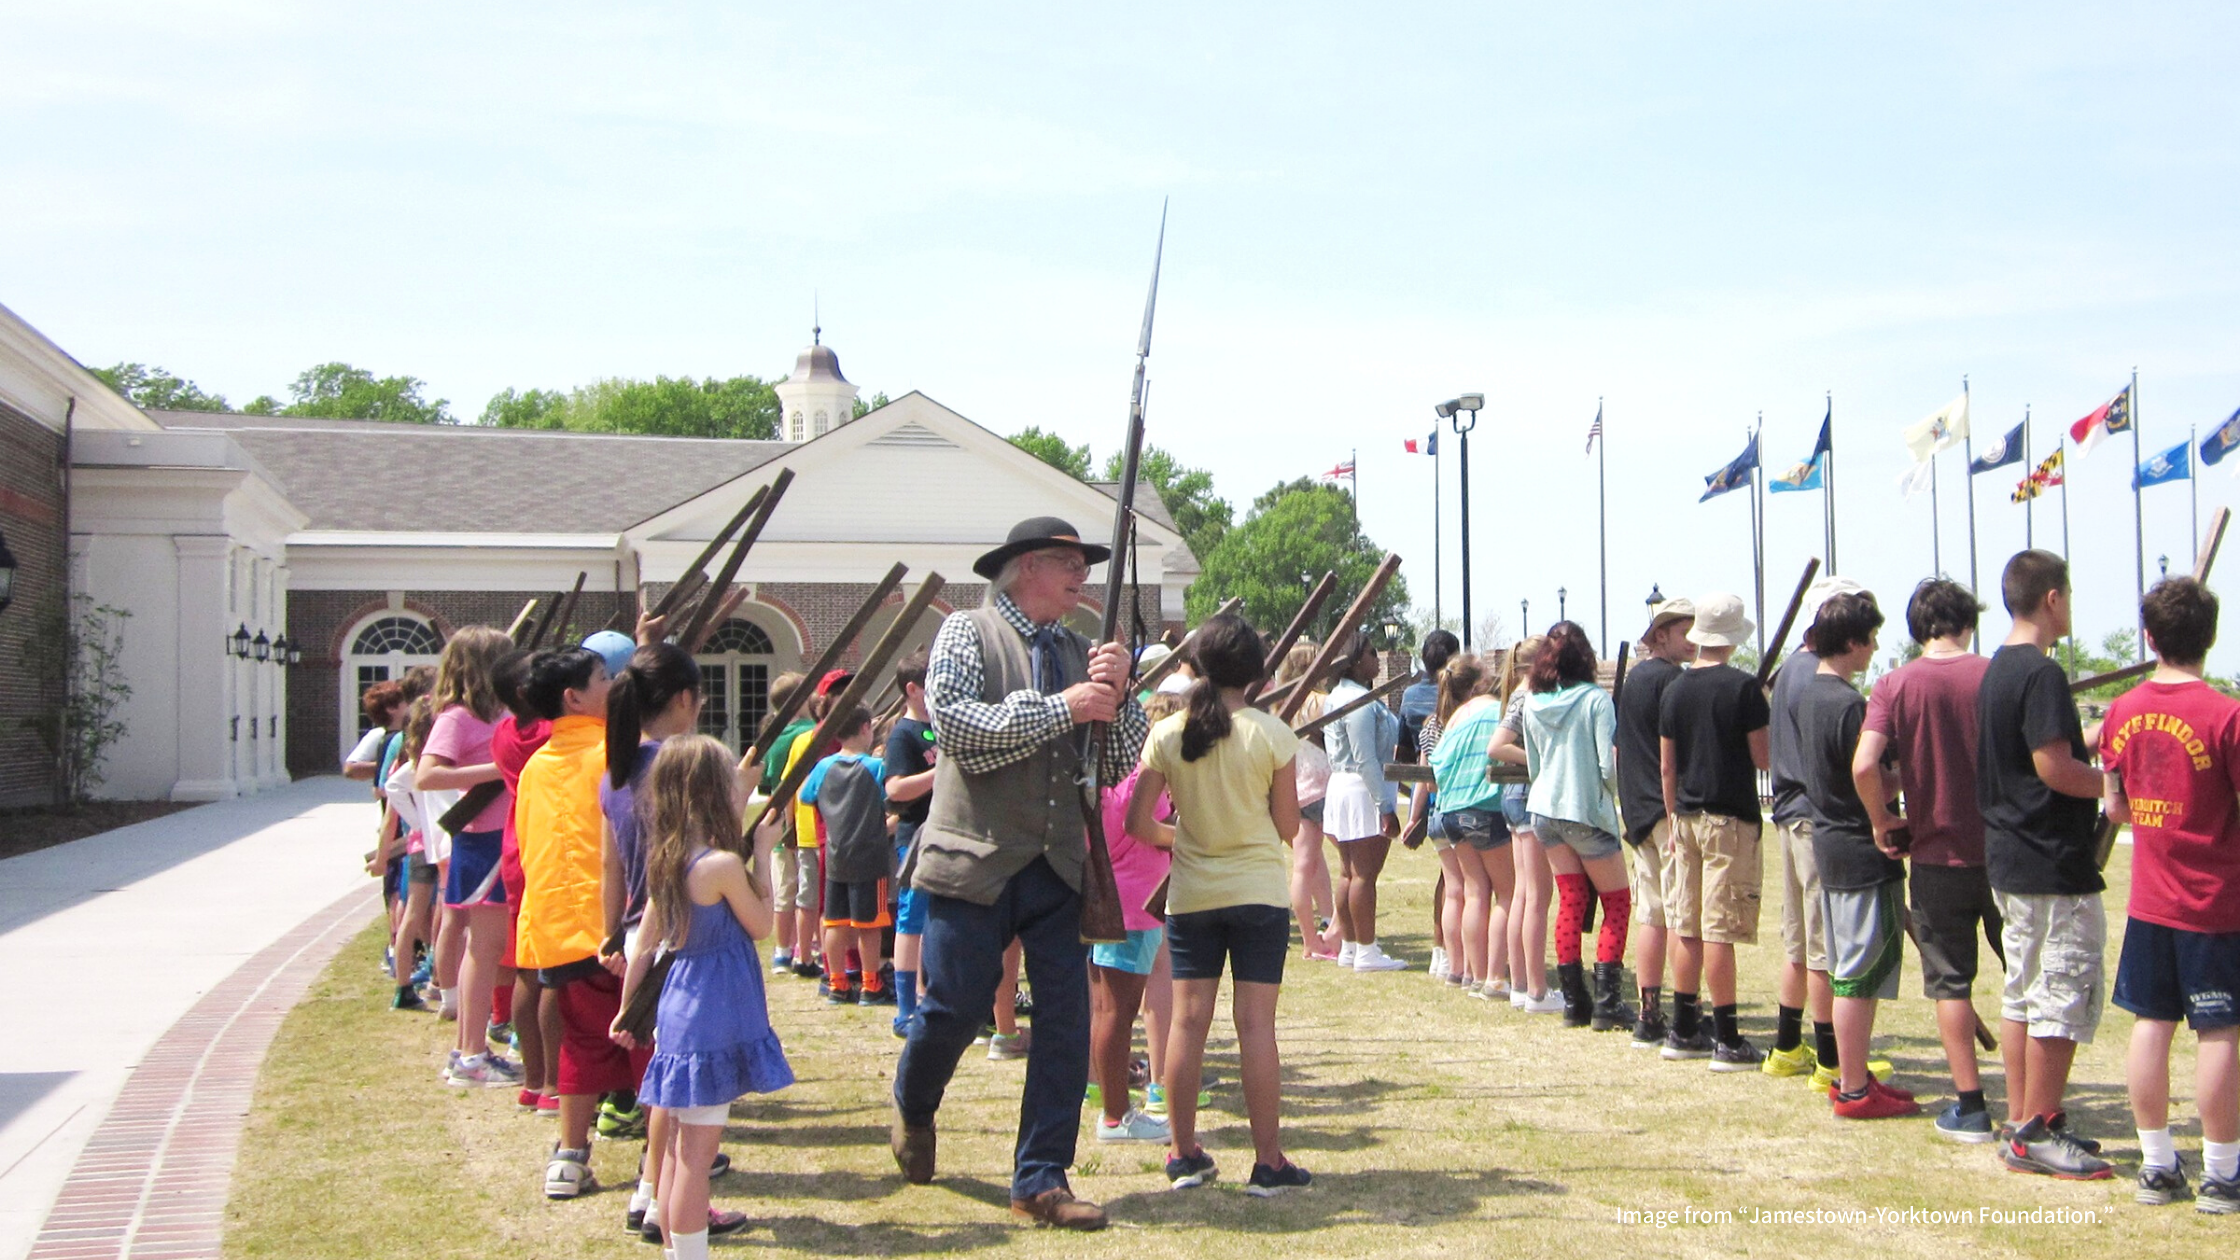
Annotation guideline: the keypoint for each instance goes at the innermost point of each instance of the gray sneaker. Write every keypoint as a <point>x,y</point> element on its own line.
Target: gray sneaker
<point>2036,1148</point>
<point>2218,1198</point>
<point>2159,1187</point>
<point>1736,1056</point>
<point>1699,1046</point>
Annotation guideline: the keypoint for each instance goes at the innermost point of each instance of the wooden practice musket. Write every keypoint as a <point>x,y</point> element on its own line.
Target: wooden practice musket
<point>875,662</point>
<point>702,623</point>
<point>567,613</point>
<point>1102,921</point>
<point>1347,624</point>
<point>1158,673</point>
<point>1382,691</point>
<point>1618,675</point>
<point>1788,619</point>
<point>521,622</point>
<point>826,659</point>
<point>699,566</point>
<point>1316,598</point>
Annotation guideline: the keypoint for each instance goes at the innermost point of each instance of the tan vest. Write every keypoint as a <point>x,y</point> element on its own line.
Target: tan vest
<point>986,828</point>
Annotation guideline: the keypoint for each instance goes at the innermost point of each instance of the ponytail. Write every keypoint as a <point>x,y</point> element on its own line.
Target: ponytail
<point>1226,653</point>
<point>1207,720</point>
<point>657,674</point>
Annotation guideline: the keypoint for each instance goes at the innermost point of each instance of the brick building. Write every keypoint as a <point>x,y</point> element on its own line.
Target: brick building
<point>365,545</point>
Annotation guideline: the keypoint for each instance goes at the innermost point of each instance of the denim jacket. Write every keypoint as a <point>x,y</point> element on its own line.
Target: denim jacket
<point>1362,741</point>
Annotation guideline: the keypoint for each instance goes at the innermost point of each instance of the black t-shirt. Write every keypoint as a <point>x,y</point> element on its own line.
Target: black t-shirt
<point>2035,840</point>
<point>909,749</point>
<point>1640,780</point>
<point>1708,713</point>
<point>1787,764</point>
<point>1827,716</point>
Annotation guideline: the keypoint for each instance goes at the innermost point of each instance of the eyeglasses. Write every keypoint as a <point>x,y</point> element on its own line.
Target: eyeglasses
<point>1069,563</point>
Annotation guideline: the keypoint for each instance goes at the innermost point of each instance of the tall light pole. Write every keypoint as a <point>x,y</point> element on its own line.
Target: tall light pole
<point>1472,403</point>
<point>1524,612</point>
<point>1561,615</point>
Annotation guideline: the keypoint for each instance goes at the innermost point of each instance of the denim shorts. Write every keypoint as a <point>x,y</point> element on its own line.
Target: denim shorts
<point>1585,839</point>
<point>1252,939</point>
<point>1482,829</point>
<point>1513,808</point>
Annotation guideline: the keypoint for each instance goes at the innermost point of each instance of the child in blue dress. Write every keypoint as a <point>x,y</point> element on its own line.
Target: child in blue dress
<point>706,904</point>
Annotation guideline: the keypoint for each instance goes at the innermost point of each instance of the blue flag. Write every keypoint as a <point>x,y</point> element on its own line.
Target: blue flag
<point>1807,475</point>
<point>2007,450</point>
<point>2175,464</point>
<point>1735,475</point>
<point>2221,440</point>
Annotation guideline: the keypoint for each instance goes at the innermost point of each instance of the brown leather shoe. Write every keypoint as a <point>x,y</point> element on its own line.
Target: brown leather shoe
<point>912,1145</point>
<point>1058,1209</point>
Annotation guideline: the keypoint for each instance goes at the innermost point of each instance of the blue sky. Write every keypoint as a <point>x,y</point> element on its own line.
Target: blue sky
<point>1695,212</point>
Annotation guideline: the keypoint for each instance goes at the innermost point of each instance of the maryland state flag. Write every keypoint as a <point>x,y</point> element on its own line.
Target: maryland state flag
<point>2041,479</point>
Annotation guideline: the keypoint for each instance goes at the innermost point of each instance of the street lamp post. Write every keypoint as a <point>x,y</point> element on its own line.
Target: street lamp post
<point>1561,615</point>
<point>1524,611</point>
<point>1472,403</point>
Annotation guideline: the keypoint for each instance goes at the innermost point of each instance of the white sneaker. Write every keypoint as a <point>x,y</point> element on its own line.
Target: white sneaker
<point>451,1065</point>
<point>1549,1003</point>
<point>1517,999</point>
<point>568,1174</point>
<point>487,1070</point>
<point>1439,968</point>
<point>1483,991</point>
<point>1371,957</point>
<point>1346,952</point>
<point>1133,1127</point>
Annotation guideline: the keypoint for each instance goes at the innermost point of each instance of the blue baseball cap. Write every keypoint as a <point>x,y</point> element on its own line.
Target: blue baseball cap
<point>613,647</point>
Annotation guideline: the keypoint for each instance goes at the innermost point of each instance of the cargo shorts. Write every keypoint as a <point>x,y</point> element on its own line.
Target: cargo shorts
<point>1804,928</point>
<point>1712,875</point>
<point>2056,963</point>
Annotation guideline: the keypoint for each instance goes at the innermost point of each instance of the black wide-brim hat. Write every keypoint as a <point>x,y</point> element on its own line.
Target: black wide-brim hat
<point>1038,534</point>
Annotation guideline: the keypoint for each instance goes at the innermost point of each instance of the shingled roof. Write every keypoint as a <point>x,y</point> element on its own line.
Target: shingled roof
<point>370,475</point>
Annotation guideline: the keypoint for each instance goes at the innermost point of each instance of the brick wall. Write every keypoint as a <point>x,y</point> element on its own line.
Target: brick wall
<point>31,521</point>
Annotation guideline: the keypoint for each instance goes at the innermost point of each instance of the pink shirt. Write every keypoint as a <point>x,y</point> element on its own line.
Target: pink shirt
<point>463,739</point>
<point>1137,867</point>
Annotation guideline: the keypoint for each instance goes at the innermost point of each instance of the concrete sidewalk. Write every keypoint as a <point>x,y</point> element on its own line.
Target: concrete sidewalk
<point>113,938</point>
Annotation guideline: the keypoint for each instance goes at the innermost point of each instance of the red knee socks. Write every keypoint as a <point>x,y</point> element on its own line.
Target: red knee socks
<point>1617,907</point>
<point>1571,916</point>
<point>501,1005</point>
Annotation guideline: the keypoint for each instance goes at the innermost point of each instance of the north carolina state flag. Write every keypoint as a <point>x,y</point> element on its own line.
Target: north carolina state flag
<point>2112,416</point>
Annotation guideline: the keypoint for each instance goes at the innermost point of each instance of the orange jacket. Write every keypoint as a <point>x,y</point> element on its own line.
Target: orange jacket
<point>556,814</point>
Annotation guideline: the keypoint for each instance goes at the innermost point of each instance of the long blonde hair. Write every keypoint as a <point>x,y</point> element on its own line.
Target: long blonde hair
<point>1520,666</point>
<point>1463,679</point>
<point>469,666</point>
<point>690,800</point>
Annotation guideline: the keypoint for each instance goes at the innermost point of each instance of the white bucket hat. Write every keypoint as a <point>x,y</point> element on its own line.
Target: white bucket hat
<point>1720,622</point>
<point>1821,590</point>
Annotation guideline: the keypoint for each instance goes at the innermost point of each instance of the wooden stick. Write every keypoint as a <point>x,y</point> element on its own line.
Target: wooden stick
<point>702,624</point>
<point>699,564</point>
<point>2206,558</point>
<point>876,661</point>
<point>544,620</point>
<point>825,661</point>
<point>1315,599</point>
<point>2126,674</point>
<point>568,604</point>
<point>1781,636</point>
<point>1347,624</point>
<point>1618,677</point>
<point>513,631</point>
<point>686,588</point>
<point>1159,672</point>
<point>1389,687</point>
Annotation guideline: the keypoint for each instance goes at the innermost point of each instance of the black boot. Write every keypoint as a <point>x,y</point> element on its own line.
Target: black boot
<point>1578,1004</point>
<point>1610,1009</point>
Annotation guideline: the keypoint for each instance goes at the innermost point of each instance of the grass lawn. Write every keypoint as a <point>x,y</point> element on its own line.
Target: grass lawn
<point>1434,1125</point>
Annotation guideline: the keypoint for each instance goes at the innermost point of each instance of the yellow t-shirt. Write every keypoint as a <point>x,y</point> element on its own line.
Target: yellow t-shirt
<point>557,818</point>
<point>808,829</point>
<point>1226,850</point>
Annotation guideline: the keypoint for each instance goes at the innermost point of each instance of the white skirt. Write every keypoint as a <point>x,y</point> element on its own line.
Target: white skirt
<point>1349,812</point>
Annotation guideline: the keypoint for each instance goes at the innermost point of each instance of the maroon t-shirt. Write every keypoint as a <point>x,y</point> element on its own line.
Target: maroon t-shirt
<point>1926,708</point>
<point>2176,746</point>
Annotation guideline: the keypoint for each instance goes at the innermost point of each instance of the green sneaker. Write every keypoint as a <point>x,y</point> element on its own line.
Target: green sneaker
<point>1094,1097</point>
<point>617,1125</point>
<point>1797,1061</point>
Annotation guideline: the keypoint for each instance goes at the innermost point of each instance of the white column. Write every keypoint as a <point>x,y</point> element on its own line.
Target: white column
<point>277,729</point>
<point>207,678</point>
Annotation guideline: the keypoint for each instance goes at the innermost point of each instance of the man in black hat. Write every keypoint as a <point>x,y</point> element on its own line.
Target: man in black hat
<point>1000,857</point>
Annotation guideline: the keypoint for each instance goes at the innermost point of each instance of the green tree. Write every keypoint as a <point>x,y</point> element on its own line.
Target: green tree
<point>1294,534</point>
<point>1051,449</point>
<point>666,406</point>
<point>878,400</point>
<point>1187,493</point>
<point>337,391</point>
<point>262,405</point>
<point>155,388</point>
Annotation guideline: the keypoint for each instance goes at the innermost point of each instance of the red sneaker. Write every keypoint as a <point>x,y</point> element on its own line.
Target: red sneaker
<point>1887,1088</point>
<point>1875,1105</point>
<point>548,1105</point>
<point>528,1100</point>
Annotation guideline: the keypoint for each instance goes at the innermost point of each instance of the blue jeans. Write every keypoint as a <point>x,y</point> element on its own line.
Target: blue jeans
<point>964,946</point>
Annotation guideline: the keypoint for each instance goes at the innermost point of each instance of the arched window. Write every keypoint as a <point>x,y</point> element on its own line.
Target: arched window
<point>382,649</point>
<point>821,420</point>
<point>800,429</point>
<point>735,668</point>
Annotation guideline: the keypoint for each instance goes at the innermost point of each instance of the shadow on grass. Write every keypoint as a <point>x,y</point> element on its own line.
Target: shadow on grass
<point>1411,1196</point>
<point>806,1235</point>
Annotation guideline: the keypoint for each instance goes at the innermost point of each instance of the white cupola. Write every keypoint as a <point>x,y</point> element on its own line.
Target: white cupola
<point>816,399</point>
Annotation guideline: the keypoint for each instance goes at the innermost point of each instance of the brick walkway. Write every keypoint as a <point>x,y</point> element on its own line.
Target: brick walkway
<point>152,1181</point>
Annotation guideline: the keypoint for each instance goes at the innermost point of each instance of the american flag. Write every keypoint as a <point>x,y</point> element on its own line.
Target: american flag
<point>1594,432</point>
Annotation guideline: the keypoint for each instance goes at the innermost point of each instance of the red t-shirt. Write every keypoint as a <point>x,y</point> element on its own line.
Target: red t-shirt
<point>2176,746</point>
<point>1926,708</point>
<point>511,746</point>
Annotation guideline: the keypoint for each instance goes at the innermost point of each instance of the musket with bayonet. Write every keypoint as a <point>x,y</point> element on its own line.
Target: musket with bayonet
<point>1101,915</point>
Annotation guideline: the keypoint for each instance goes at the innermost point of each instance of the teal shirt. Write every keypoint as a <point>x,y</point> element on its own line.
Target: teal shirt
<point>1460,761</point>
<point>1570,738</point>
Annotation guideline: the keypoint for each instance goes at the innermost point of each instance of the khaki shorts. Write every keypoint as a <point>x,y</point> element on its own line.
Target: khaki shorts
<point>1712,875</point>
<point>1648,875</point>
<point>1804,928</point>
<point>788,857</point>
<point>2056,963</point>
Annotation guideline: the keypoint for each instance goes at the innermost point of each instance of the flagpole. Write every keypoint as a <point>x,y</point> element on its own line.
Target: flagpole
<point>2071,650</point>
<point>1353,475</point>
<point>1758,526</point>
<point>2138,518</point>
<point>1968,452</point>
<point>2029,505</point>
<point>1936,536</point>
<point>2193,481</point>
<point>1828,481</point>
<point>1602,511</point>
<point>1438,525</point>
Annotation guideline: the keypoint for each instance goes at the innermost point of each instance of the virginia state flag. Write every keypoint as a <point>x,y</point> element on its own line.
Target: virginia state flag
<point>2221,440</point>
<point>2175,464</point>
<point>1735,475</point>
<point>2005,451</point>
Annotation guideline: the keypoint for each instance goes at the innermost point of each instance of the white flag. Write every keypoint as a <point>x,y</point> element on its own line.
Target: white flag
<point>1941,431</point>
<point>1916,479</point>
